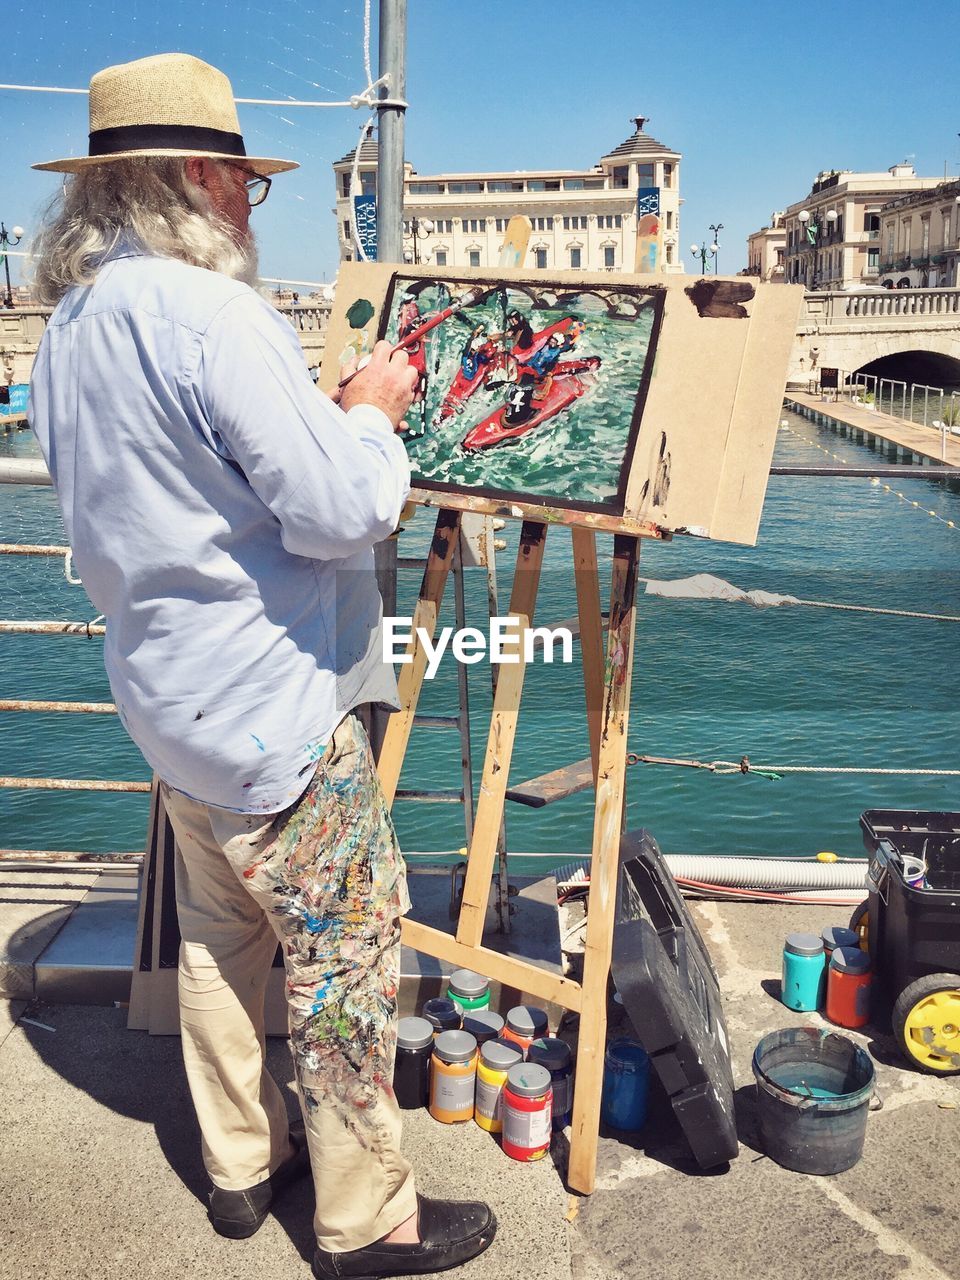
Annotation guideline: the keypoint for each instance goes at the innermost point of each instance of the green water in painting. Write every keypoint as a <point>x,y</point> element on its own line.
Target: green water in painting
<point>576,455</point>
<point>712,680</point>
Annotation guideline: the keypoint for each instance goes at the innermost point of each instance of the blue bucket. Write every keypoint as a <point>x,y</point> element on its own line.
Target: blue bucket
<point>813,1090</point>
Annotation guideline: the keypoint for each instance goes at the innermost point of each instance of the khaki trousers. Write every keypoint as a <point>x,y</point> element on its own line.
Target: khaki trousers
<point>326,879</point>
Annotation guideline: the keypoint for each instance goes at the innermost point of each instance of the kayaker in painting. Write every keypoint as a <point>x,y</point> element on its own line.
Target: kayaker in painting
<point>222,514</point>
<point>481,354</point>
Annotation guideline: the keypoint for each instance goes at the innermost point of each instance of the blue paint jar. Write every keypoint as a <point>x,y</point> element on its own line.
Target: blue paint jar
<point>626,1083</point>
<point>555,1055</point>
<point>804,976</point>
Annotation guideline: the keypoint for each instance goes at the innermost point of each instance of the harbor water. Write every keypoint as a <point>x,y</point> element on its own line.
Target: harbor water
<point>792,685</point>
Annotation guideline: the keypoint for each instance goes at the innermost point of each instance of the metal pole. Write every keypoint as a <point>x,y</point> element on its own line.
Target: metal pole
<point>8,301</point>
<point>393,61</point>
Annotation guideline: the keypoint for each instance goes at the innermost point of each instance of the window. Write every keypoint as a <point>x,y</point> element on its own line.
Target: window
<point>668,219</point>
<point>871,224</point>
<point>500,184</point>
<point>621,176</point>
<point>668,252</point>
<point>368,182</point>
<point>575,259</point>
<point>346,229</point>
<point>464,188</point>
<point>575,224</point>
<point>610,221</point>
<point>345,184</point>
<point>540,256</point>
<point>427,188</point>
<point>441,257</point>
<point>573,184</point>
<point>474,257</point>
<point>474,225</point>
<point>668,175</point>
<point>873,259</point>
<point>924,237</point>
<point>945,236</point>
<point>542,224</point>
<point>608,256</point>
<point>406,227</point>
<point>500,224</point>
<point>646,174</point>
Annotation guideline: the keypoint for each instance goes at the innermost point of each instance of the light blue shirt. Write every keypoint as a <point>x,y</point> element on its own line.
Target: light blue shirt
<point>222,514</point>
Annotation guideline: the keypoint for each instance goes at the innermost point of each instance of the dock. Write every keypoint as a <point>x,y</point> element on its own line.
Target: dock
<point>102,1176</point>
<point>897,438</point>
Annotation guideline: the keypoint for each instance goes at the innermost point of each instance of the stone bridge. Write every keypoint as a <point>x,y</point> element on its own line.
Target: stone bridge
<point>838,330</point>
<point>850,330</point>
<point>21,330</point>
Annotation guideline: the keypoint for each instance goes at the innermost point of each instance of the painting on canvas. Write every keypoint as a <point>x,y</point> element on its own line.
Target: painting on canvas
<point>525,391</point>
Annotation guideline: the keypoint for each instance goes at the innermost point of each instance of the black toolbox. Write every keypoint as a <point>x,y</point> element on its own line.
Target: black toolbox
<point>671,993</point>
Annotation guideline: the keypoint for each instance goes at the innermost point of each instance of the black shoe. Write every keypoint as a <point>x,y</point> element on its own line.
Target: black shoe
<point>451,1232</point>
<point>238,1214</point>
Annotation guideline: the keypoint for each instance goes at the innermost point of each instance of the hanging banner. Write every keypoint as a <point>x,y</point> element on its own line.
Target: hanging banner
<point>648,230</point>
<point>365,209</point>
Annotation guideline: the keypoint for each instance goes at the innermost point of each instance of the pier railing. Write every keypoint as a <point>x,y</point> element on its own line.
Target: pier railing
<point>916,402</point>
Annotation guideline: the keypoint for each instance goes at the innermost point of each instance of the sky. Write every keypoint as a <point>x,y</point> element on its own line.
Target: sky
<point>758,98</point>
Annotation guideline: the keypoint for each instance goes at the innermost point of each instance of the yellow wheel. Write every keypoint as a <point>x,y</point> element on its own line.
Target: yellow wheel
<point>926,1022</point>
<point>860,924</point>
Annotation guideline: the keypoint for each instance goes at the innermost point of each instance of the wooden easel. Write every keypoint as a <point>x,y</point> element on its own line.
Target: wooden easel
<point>607,689</point>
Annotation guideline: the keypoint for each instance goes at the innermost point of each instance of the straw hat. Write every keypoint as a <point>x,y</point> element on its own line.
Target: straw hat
<point>169,105</point>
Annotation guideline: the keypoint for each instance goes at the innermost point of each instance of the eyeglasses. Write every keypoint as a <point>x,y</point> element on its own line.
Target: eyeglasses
<point>257,188</point>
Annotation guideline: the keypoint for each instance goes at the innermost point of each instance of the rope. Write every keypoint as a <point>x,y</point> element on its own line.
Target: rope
<point>366,98</point>
<point>774,771</point>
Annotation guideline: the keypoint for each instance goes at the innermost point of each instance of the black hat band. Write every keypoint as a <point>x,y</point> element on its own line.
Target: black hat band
<point>163,137</point>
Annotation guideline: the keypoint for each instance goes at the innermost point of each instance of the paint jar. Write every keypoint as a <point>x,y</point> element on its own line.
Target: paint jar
<point>555,1055</point>
<point>496,1059</point>
<point>527,1106</point>
<point>626,1083</point>
<point>483,1025</point>
<point>469,990</point>
<point>848,988</point>
<point>411,1074</point>
<point>914,871</point>
<point>442,1014</point>
<point>525,1023</point>
<point>804,975</point>
<point>836,935</point>
<point>453,1077</point>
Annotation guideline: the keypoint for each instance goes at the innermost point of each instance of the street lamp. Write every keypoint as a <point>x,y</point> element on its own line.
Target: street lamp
<point>8,238</point>
<point>416,227</point>
<point>716,242</point>
<point>704,254</point>
<point>815,233</point>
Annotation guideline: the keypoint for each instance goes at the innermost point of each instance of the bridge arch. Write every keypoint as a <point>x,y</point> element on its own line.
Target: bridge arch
<point>919,364</point>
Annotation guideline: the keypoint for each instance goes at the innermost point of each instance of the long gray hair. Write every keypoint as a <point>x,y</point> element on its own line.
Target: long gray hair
<point>149,201</point>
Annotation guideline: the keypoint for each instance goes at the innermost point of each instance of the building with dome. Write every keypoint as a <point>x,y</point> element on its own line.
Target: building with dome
<point>582,219</point>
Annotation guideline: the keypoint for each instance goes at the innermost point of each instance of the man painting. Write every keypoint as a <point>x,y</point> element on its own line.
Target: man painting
<point>222,514</point>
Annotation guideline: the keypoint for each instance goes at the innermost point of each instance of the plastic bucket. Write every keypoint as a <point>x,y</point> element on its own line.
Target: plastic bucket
<point>813,1089</point>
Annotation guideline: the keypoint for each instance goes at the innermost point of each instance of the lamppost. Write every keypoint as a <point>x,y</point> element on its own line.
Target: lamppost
<point>416,225</point>
<point>7,239</point>
<point>716,242</point>
<point>704,254</point>
<point>815,233</point>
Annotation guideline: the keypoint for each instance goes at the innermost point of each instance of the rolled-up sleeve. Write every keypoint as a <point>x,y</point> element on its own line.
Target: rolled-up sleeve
<point>335,481</point>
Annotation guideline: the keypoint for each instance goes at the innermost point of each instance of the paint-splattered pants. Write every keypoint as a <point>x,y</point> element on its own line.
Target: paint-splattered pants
<point>325,877</point>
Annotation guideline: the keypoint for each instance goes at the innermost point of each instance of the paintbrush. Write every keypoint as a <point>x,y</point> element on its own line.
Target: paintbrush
<point>469,299</point>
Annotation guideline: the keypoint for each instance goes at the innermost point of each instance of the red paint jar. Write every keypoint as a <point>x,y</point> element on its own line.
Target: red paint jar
<point>525,1024</point>
<point>527,1103</point>
<point>848,988</point>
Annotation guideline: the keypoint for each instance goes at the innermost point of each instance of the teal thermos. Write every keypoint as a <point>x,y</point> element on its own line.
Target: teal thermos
<point>804,972</point>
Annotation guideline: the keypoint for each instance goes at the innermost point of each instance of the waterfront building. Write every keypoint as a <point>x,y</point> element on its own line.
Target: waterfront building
<point>766,250</point>
<point>920,238</point>
<point>833,234</point>
<point>582,219</point>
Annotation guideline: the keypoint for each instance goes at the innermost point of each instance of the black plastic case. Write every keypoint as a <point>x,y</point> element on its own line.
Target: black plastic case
<point>671,993</point>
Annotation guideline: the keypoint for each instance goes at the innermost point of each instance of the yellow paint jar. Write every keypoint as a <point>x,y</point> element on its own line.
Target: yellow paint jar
<point>453,1076</point>
<point>496,1059</point>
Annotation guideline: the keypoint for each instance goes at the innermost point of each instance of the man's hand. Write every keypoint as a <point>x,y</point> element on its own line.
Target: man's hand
<point>388,382</point>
